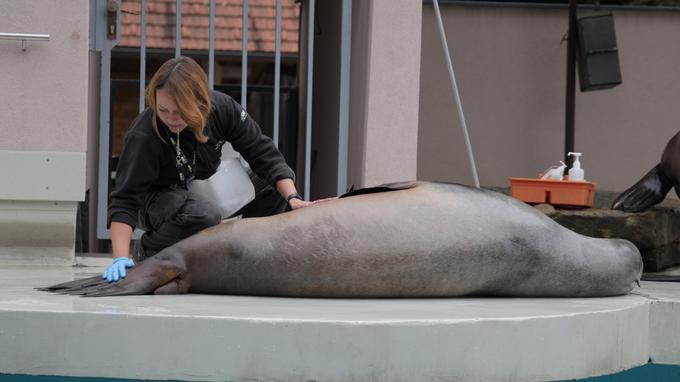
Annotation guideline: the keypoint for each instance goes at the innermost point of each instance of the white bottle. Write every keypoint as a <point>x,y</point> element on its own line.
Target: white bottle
<point>554,172</point>
<point>576,172</point>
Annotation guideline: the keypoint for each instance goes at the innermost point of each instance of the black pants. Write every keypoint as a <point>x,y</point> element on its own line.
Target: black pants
<point>173,215</point>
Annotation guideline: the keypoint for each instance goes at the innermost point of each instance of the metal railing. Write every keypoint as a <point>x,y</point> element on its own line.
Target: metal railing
<point>24,38</point>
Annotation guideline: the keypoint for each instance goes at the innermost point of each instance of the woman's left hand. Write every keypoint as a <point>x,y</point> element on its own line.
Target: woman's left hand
<point>297,203</point>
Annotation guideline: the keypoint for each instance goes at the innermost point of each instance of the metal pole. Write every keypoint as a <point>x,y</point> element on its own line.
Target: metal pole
<point>569,130</point>
<point>308,120</point>
<point>343,128</point>
<point>104,45</point>
<point>277,73</point>
<point>178,28</point>
<point>142,57</point>
<point>454,85</point>
<point>211,50</point>
<point>244,57</point>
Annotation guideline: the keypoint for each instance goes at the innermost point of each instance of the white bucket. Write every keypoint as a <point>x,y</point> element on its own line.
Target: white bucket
<point>229,188</point>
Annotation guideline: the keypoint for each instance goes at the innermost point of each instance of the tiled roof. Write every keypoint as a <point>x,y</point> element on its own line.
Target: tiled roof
<point>160,24</point>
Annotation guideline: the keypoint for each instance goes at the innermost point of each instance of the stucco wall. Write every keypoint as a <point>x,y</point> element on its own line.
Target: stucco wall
<point>384,91</point>
<point>511,70</point>
<point>392,88</point>
<point>44,89</point>
<point>383,104</point>
<point>360,58</point>
<point>43,124</point>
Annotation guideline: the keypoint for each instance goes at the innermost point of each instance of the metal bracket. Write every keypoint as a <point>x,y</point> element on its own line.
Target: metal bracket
<point>111,19</point>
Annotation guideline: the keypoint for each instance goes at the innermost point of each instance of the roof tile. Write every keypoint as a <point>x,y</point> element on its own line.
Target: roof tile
<point>160,28</point>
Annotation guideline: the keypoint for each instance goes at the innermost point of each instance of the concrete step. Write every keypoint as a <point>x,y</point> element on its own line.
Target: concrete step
<point>217,338</point>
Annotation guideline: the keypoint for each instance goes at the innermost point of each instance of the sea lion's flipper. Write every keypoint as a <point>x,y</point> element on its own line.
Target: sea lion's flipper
<point>148,276</point>
<point>75,284</point>
<point>133,284</point>
<point>381,188</point>
<point>144,278</point>
<point>648,191</point>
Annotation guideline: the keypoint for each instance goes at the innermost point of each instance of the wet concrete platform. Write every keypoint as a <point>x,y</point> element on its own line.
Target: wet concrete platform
<point>246,338</point>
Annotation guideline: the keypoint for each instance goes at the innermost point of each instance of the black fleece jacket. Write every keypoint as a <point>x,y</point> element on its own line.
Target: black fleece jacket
<point>147,164</point>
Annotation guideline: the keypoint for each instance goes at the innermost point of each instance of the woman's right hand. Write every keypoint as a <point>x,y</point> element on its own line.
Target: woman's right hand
<point>121,234</point>
<point>118,269</point>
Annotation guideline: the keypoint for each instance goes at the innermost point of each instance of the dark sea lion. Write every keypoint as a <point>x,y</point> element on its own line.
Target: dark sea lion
<point>401,240</point>
<point>655,185</point>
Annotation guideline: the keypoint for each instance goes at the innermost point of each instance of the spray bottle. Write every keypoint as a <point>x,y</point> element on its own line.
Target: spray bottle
<point>576,172</point>
<point>554,172</point>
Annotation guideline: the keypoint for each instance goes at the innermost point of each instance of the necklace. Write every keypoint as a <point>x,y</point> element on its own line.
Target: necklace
<point>184,168</point>
<point>180,155</point>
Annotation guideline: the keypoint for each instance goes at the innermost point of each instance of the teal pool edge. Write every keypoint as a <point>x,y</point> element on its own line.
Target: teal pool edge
<point>54,378</point>
<point>649,372</point>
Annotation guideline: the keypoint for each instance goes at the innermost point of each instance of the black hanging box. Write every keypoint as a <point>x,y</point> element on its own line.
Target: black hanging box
<point>598,55</point>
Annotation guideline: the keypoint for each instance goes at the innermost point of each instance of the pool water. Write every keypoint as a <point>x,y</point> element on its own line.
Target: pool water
<point>649,372</point>
<point>44,378</point>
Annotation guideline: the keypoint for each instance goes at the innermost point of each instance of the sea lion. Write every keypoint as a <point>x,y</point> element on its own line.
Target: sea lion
<point>413,239</point>
<point>655,185</point>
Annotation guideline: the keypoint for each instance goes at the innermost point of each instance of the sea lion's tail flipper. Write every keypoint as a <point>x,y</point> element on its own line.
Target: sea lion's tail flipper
<point>648,191</point>
<point>75,284</point>
<point>145,278</point>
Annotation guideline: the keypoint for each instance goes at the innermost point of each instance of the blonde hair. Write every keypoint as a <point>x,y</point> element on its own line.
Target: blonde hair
<point>186,82</point>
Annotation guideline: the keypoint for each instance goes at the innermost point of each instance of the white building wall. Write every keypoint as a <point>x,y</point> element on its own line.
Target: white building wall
<point>385,77</point>
<point>44,92</point>
<point>511,70</point>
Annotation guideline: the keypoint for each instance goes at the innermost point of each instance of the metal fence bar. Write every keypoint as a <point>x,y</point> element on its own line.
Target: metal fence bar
<point>277,73</point>
<point>308,120</point>
<point>178,28</point>
<point>343,128</point>
<point>211,50</point>
<point>142,56</point>
<point>104,45</point>
<point>244,57</point>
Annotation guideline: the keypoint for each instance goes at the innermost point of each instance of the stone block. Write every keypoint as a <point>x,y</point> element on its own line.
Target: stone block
<point>655,228</point>
<point>658,259</point>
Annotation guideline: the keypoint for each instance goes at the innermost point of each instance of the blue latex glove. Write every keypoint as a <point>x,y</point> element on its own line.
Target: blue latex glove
<point>118,269</point>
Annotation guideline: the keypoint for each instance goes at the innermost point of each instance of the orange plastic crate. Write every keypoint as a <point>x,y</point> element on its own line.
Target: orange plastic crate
<point>555,192</point>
